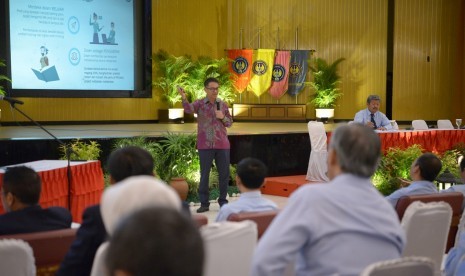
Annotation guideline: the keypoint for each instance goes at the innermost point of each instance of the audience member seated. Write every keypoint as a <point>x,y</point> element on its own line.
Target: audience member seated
<point>423,172</point>
<point>20,198</point>
<point>155,241</point>
<point>338,227</point>
<point>459,187</point>
<point>250,176</point>
<point>122,163</point>
<point>455,257</point>
<point>371,116</point>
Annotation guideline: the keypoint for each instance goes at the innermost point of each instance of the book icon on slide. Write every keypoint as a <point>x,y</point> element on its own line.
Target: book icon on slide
<point>47,74</point>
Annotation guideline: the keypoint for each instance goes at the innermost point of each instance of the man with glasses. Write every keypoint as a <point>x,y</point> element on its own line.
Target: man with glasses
<point>212,139</point>
<point>371,116</point>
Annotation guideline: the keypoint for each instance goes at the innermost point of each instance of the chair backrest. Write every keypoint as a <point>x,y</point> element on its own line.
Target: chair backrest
<point>199,219</point>
<point>445,124</point>
<point>454,199</point>
<point>317,166</point>
<point>318,139</point>
<point>16,258</point>
<point>229,247</point>
<point>419,125</point>
<point>406,266</point>
<point>99,267</point>
<point>49,247</point>
<point>426,226</point>
<point>262,219</point>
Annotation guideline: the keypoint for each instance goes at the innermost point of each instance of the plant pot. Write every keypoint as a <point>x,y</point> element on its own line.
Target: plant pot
<point>175,113</point>
<point>324,114</point>
<point>181,186</point>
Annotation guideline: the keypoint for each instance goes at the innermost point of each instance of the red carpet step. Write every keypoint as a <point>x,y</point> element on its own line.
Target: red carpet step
<point>283,185</point>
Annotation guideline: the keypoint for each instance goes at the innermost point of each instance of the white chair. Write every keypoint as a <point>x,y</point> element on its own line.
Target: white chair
<point>445,124</point>
<point>407,266</point>
<point>99,267</point>
<point>229,247</point>
<point>427,226</point>
<point>317,166</point>
<point>16,258</point>
<point>419,125</point>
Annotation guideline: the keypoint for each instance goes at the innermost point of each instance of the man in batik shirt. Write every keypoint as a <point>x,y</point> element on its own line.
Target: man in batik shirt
<point>213,118</point>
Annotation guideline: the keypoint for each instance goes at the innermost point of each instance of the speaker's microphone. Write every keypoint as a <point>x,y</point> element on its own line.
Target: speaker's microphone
<point>217,105</point>
<point>11,100</point>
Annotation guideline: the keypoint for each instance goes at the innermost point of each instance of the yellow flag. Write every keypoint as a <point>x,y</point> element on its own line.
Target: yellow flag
<point>262,71</point>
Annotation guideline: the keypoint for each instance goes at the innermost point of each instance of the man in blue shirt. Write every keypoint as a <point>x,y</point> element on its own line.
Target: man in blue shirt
<point>423,172</point>
<point>250,176</point>
<point>338,227</point>
<point>371,116</point>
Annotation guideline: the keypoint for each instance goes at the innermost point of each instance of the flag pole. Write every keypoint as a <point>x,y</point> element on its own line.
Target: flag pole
<point>240,38</point>
<point>277,41</point>
<point>297,38</point>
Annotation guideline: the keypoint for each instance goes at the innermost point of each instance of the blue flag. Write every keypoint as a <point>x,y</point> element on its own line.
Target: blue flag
<point>298,69</point>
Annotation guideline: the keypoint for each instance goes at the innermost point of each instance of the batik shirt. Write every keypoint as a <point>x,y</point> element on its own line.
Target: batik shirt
<point>211,131</point>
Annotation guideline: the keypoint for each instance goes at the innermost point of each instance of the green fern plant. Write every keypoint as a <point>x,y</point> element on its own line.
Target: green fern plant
<point>206,67</point>
<point>81,150</point>
<point>325,82</point>
<point>179,156</point>
<point>170,72</point>
<point>394,166</point>
<point>3,78</point>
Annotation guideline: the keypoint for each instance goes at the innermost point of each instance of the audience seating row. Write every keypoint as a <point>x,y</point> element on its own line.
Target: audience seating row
<point>49,248</point>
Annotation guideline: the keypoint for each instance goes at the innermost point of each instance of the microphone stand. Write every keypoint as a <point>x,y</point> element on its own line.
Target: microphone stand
<point>68,150</point>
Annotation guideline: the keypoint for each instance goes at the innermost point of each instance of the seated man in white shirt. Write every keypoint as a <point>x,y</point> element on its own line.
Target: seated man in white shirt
<point>423,172</point>
<point>459,187</point>
<point>250,175</point>
<point>371,116</point>
<point>338,227</point>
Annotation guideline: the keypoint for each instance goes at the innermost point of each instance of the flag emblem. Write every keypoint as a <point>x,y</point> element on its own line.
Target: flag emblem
<point>295,69</point>
<point>278,73</point>
<point>259,67</point>
<point>240,65</point>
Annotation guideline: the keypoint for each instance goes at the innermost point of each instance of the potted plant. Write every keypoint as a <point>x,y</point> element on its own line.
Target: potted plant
<point>325,82</point>
<point>206,67</point>
<point>179,164</point>
<point>171,72</point>
<point>2,79</point>
<point>81,150</point>
<point>394,168</point>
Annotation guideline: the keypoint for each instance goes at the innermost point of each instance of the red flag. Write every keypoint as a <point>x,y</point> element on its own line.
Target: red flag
<point>240,67</point>
<point>279,79</point>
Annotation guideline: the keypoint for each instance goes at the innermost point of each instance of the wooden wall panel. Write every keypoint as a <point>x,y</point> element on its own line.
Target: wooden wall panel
<point>355,30</point>
<point>428,59</point>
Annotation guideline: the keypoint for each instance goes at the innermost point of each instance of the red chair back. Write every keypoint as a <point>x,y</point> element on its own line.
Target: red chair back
<point>262,219</point>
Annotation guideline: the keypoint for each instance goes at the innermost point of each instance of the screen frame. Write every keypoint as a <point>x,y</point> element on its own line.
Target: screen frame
<point>142,70</point>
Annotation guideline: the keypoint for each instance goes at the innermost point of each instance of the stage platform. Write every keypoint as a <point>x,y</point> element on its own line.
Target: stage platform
<point>283,146</point>
<point>107,131</point>
<point>283,185</point>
